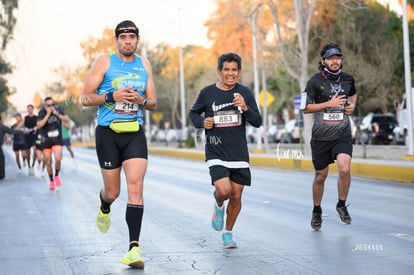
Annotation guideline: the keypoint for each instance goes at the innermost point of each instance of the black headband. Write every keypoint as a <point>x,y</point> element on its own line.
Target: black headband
<point>118,32</point>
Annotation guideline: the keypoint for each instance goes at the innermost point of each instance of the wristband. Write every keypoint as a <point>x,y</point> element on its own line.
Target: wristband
<point>144,102</point>
<point>109,97</point>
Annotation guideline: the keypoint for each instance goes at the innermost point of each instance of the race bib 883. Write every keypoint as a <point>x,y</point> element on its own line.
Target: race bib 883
<point>227,118</point>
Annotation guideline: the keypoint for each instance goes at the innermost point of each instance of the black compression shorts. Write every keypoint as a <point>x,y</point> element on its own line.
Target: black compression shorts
<point>325,152</point>
<point>112,148</point>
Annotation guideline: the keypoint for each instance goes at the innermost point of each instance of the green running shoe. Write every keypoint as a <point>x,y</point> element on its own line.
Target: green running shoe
<point>103,221</point>
<point>133,258</point>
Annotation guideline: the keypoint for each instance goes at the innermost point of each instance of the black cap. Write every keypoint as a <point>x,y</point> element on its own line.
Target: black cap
<point>332,51</point>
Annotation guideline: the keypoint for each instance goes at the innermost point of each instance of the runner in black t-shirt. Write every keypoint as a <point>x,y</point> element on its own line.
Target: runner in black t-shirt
<point>19,146</point>
<point>49,123</point>
<point>331,97</point>
<point>30,121</point>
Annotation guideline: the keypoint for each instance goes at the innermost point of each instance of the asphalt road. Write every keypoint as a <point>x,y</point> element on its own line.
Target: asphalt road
<point>54,232</point>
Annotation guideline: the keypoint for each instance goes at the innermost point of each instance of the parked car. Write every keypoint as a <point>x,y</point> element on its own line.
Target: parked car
<point>354,130</point>
<point>251,133</point>
<point>275,133</point>
<point>378,128</point>
<point>292,132</point>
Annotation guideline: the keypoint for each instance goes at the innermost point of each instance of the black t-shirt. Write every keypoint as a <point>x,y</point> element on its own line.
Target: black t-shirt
<point>331,123</point>
<point>30,123</point>
<point>53,126</point>
<point>18,136</point>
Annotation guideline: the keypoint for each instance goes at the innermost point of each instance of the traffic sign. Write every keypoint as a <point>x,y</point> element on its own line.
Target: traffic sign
<point>269,98</point>
<point>296,101</point>
<point>157,116</point>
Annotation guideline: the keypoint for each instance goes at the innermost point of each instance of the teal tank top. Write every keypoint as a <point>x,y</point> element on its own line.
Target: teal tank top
<point>122,74</point>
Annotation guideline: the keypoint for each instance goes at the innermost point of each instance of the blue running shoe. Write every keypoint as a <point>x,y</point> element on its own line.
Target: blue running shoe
<point>228,240</point>
<point>217,219</point>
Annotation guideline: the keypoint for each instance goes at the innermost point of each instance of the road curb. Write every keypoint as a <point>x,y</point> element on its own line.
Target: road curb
<point>393,172</point>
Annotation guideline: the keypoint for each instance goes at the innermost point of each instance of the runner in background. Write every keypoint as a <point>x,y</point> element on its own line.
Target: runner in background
<point>19,145</point>
<point>66,133</point>
<point>49,123</point>
<point>30,133</point>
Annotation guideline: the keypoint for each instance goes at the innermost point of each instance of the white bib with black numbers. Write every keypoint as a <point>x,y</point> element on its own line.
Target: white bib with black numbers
<point>126,108</point>
<point>334,116</point>
<point>53,133</point>
<point>227,118</point>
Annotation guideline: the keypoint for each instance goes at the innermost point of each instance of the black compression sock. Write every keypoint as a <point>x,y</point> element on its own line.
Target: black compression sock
<point>317,209</point>
<point>340,203</point>
<point>133,217</point>
<point>131,245</point>
<point>105,206</point>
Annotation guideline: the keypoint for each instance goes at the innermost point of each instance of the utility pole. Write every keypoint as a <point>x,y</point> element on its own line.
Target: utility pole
<point>182,91</point>
<point>255,71</point>
<point>408,85</point>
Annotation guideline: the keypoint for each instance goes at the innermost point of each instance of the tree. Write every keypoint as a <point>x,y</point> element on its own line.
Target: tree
<point>370,37</point>
<point>93,47</point>
<point>294,50</point>
<point>199,70</point>
<point>7,24</point>
<point>227,28</point>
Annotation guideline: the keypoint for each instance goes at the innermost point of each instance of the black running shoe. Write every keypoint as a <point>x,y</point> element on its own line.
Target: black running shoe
<point>344,215</point>
<point>316,222</point>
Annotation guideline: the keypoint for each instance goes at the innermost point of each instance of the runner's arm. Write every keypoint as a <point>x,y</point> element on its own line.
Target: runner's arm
<point>150,92</point>
<point>93,80</point>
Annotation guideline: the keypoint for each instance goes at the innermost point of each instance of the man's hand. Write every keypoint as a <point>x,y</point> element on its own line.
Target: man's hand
<point>208,123</point>
<point>337,101</point>
<point>128,95</point>
<point>349,108</point>
<point>50,110</point>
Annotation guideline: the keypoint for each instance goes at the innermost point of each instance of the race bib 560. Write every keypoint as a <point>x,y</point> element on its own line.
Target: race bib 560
<point>333,117</point>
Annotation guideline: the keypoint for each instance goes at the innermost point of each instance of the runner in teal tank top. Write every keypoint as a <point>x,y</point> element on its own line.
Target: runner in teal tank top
<point>121,85</point>
<point>122,74</point>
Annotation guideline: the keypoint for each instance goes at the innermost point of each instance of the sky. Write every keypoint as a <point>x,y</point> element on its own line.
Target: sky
<point>393,4</point>
<point>49,32</point>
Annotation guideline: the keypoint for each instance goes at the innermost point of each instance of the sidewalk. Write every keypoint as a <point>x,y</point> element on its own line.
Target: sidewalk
<point>382,162</point>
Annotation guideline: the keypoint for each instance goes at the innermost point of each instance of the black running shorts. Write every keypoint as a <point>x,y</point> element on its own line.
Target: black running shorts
<point>325,152</point>
<point>19,147</point>
<point>30,140</point>
<point>238,175</point>
<point>112,148</point>
<point>48,143</point>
